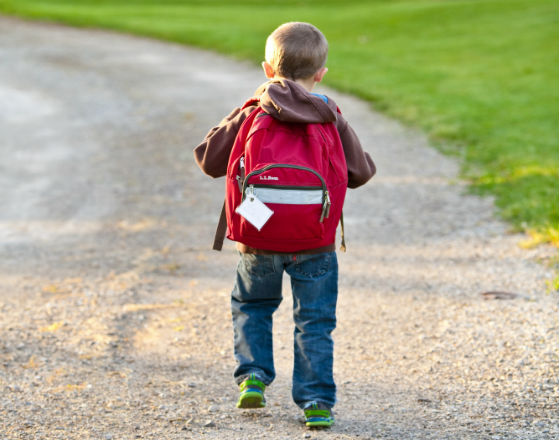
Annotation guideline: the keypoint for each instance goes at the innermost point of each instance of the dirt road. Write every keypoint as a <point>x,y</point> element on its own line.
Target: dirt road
<point>114,312</point>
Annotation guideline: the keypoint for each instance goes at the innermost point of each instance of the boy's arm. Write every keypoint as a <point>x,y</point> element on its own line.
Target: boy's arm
<point>360,165</point>
<point>212,155</point>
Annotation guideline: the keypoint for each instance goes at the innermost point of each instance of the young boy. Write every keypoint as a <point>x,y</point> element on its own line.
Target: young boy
<point>296,54</point>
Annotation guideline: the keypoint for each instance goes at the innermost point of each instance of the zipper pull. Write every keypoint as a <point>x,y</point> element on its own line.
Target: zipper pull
<point>326,207</point>
<point>241,176</point>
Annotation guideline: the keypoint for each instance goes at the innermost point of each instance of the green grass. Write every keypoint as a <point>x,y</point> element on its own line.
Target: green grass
<point>479,76</point>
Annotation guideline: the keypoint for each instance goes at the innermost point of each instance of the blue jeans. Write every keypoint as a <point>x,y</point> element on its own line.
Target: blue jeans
<point>256,296</point>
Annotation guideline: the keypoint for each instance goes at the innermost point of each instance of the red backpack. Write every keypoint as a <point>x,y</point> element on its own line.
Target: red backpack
<point>298,171</point>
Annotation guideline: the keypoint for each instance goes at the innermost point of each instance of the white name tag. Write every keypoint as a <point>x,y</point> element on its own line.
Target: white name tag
<point>254,211</point>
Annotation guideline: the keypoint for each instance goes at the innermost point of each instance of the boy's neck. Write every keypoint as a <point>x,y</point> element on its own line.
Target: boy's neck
<point>308,84</point>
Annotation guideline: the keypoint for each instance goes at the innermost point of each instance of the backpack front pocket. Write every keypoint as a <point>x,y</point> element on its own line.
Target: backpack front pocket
<point>290,221</point>
<point>300,201</point>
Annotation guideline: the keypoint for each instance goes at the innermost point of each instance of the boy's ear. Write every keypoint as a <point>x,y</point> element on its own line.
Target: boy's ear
<point>268,70</point>
<point>318,77</point>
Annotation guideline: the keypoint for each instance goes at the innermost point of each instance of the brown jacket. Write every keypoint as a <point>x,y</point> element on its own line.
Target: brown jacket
<point>290,102</point>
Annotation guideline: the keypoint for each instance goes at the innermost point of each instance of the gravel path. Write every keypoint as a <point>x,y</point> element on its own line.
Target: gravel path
<point>115,319</point>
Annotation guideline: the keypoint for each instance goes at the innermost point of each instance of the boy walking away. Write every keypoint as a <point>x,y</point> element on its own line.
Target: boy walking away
<point>288,156</point>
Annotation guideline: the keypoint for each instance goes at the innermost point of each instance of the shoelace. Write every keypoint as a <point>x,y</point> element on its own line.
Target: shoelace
<point>314,411</point>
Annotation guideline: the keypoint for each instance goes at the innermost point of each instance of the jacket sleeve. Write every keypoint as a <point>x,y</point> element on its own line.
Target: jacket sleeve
<point>212,155</point>
<point>360,165</point>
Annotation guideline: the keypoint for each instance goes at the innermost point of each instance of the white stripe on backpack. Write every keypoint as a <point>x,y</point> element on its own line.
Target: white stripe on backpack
<point>287,196</point>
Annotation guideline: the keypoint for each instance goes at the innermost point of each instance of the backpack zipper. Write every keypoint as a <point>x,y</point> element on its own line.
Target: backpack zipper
<point>241,171</point>
<point>287,187</point>
<point>280,165</point>
<point>326,204</point>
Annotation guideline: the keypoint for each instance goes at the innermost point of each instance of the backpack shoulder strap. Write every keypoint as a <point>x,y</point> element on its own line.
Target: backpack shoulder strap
<point>251,102</point>
<point>221,229</point>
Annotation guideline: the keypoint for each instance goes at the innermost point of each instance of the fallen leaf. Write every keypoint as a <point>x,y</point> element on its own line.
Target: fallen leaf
<point>499,295</point>
<point>52,288</point>
<point>76,387</point>
<point>171,267</point>
<point>31,363</point>
<point>53,327</point>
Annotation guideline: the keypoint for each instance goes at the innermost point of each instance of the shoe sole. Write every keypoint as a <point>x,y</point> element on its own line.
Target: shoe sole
<point>251,400</point>
<point>319,424</point>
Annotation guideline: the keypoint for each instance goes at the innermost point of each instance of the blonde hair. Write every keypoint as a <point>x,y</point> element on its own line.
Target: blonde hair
<point>296,50</point>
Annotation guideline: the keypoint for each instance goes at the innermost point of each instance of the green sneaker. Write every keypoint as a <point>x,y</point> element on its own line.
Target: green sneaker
<point>317,415</point>
<point>251,393</point>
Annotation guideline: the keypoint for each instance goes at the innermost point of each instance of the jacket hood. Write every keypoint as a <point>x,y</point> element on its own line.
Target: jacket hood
<point>288,101</point>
